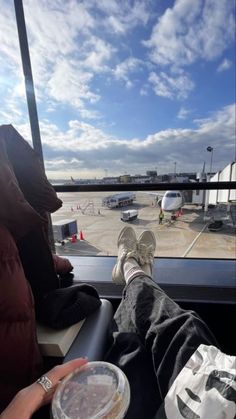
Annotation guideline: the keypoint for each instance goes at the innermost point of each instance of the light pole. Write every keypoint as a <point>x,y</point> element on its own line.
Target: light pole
<point>175,169</point>
<point>210,149</point>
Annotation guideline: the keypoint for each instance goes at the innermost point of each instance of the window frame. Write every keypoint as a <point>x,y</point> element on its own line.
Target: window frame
<point>221,291</point>
<point>113,187</point>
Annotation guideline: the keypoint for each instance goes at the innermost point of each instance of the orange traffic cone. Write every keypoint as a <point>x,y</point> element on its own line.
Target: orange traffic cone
<point>81,236</point>
<point>73,238</point>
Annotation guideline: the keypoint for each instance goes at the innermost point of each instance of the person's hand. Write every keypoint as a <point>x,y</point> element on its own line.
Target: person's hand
<point>62,265</point>
<point>31,398</point>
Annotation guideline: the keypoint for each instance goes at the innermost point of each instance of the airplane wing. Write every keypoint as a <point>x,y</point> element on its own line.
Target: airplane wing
<point>153,193</point>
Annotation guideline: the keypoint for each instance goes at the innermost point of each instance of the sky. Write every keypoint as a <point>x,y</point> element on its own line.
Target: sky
<point>124,86</point>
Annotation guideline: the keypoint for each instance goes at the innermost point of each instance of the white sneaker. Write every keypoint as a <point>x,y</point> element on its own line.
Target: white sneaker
<point>127,248</point>
<point>146,249</point>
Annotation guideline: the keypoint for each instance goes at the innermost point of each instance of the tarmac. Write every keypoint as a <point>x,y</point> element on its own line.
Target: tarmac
<point>99,228</point>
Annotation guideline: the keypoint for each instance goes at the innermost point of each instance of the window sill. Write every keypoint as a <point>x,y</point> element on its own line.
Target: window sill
<point>190,280</point>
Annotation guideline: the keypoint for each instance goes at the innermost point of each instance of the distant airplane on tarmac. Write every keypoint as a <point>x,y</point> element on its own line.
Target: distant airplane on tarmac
<point>172,201</point>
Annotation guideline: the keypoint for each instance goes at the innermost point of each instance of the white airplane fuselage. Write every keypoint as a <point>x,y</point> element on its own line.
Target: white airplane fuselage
<point>172,201</point>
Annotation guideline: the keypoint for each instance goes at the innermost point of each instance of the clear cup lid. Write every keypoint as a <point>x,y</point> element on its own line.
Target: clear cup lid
<point>97,390</point>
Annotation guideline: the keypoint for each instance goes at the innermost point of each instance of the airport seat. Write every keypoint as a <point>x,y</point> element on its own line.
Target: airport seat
<point>92,339</point>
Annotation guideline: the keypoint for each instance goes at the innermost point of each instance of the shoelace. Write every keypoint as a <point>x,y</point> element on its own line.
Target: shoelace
<point>132,254</point>
<point>145,253</point>
<point>129,244</point>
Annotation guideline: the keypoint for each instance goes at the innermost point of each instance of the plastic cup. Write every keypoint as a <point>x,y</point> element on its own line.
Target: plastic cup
<point>97,390</point>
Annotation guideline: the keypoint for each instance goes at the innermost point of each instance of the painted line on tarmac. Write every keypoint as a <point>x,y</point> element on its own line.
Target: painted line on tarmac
<point>194,241</point>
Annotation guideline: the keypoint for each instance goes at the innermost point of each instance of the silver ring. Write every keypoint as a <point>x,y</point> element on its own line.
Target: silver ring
<point>45,383</point>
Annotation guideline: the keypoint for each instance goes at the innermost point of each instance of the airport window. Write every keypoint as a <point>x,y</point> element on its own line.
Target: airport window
<point>194,225</point>
<point>121,99</point>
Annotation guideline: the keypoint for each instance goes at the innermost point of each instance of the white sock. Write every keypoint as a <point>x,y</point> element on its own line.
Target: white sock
<point>132,269</point>
<point>148,269</point>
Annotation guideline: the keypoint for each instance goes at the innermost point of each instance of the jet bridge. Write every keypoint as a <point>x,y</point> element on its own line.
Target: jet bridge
<point>224,196</point>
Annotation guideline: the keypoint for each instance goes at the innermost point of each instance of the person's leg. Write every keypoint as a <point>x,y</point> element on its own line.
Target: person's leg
<point>127,350</point>
<point>153,337</point>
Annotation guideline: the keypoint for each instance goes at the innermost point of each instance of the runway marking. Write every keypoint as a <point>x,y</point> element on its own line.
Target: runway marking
<point>193,242</point>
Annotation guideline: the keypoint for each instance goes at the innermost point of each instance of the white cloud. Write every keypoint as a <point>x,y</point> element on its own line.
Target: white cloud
<point>122,71</point>
<point>12,108</point>
<point>188,32</point>
<point>68,84</point>
<point>116,25</point>
<point>96,53</point>
<point>171,87</point>
<point>9,45</point>
<point>9,113</point>
<point>224,65</point>
<point>83,148</point>
<point>53,28</point>
<point>89,114</point>
<point>12,91</point>
<point>121,17</point>
<point>183,113</point>
<point>65,56</point>
<point>144,90</point>
<point>72,56</point>
<point>67,50</point>
<point>192,30</point>
<point>224,120</point>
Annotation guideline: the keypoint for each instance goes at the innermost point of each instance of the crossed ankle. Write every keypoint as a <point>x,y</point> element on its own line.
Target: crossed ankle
<point>132,255</point>
<point>133,273</point>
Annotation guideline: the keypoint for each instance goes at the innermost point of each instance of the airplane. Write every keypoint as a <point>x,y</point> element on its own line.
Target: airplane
<point>172,201</point>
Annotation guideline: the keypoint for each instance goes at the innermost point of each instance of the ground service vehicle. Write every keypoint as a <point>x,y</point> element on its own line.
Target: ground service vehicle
<point>129,215</point>
<point>119,200</point>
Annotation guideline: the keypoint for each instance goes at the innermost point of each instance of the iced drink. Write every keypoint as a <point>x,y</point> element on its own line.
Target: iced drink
<point>97,390</point>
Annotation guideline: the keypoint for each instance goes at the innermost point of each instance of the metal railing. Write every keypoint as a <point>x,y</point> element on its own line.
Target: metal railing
<point>145,187</point>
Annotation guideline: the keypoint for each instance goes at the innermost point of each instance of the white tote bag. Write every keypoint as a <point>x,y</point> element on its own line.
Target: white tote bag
<point>204,389</point>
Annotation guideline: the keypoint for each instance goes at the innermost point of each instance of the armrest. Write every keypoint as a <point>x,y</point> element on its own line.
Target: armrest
<point>91,340</point>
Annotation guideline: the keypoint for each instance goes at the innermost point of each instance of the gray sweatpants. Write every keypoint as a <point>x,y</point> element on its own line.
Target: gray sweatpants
<point>152,339</point>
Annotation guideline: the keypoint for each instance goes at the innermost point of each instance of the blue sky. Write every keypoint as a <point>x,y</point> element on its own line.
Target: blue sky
<point>124,86</point>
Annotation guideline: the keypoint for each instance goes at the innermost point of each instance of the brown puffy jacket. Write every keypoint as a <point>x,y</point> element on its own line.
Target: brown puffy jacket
<point>20,360</point>
<point>25,197</point>
<point>26,263</point>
